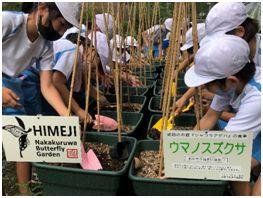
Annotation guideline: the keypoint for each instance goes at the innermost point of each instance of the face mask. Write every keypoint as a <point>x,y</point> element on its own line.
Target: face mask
<point>48,33</point>
<point>229,93</point>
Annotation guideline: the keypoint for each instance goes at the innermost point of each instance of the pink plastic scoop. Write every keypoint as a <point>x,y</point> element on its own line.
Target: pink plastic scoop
<point>106,123</point>
<point>89,160</point>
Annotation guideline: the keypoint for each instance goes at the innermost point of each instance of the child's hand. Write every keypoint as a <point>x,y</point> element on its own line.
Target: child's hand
<point>10,99</point>
<point>81,114</point>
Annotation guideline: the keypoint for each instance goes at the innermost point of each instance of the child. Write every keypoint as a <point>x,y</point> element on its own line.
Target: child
<point>26,39</point>
<point>223,66</point>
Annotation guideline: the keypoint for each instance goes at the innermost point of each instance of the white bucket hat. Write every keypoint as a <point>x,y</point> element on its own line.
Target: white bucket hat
<point>100,22</point>
<point>223,57</point>
<point>102,48</point>
<point>168,23</point>
<point>189,37</point>
<point>130,41</point>
<point>119,42</point>
<point>223,17</point>
<point>75,30</point>
<point>70,11</point>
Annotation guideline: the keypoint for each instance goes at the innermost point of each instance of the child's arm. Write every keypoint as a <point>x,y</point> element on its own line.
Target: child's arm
<point>186,62</point>
<point>51,94</point>
<point>209,120</point>
<point>60,81</point>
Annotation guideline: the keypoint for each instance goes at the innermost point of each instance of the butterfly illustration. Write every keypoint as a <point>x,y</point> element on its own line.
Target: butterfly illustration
<point>20,133</point>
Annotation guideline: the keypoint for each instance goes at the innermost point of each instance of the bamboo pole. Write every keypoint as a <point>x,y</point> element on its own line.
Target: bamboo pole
<point>173,67</point>
<point>198,94</point>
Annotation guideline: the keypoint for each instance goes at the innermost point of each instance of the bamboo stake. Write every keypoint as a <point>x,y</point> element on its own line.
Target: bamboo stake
<point>87,74</point>
<point>198,94</point>
<point>116,73</point>
<point>174,56</point>
<point>75,61</point>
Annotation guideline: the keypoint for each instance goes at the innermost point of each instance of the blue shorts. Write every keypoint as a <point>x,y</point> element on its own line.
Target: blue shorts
<point>15,84</point>
<point>27,87</point>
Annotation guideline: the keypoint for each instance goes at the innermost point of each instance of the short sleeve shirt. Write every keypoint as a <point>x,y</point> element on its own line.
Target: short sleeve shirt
<point>18,52</point>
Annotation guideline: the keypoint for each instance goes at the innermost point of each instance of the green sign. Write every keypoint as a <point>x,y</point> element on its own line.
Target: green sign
<point>213,155</point>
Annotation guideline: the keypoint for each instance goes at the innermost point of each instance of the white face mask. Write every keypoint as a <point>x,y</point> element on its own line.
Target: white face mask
<point>229,93</point>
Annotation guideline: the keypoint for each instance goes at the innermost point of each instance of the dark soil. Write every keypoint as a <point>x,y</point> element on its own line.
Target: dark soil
<point>149,164</point>
<point>155,134</point>
<point>102,151</point>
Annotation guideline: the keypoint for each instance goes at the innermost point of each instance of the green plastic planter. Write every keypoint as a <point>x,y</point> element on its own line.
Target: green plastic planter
<point>154,103</point>
<point>65,181</point>
<point>180,82</point>
<point>133,99</point>
<point>129,118</point>
<point>180,90</point>
<point>184,119</point>
<point>171,187</point>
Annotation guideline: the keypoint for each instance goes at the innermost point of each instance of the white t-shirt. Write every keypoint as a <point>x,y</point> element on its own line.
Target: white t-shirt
<point>257,57</point>
<point>247,107</point>
<point>64,54</point>
<point>18,52</point>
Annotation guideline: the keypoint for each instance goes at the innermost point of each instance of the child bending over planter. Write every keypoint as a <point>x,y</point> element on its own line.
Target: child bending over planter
<point>222,65</point>
<point>64,53</point>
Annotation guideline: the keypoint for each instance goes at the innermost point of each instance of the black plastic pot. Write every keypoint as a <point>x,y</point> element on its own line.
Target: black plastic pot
<point>171,187</point>
<point>65,181</point>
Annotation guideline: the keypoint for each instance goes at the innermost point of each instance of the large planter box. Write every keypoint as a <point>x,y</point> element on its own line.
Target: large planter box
<point>129,118</point>
<point>64,181</point>
<point>184,119</point>
<point>171,187</point>
<point>154,104</point>
<point>133,99</point>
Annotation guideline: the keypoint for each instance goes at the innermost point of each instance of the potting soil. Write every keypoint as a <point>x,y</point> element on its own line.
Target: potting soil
<point>149,164</point>
<point>102,152</point>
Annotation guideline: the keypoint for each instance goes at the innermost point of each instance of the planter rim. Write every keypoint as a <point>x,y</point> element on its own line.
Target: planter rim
<point>82,171</point>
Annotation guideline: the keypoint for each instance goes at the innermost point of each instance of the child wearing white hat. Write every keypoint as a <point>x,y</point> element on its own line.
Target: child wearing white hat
<point>64,55</point>
<point>235,22</point>
<point>26,39</point>
<point>223,66</point>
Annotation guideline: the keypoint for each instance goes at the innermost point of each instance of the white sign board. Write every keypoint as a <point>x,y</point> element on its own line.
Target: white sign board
<point>41,139</point>
<point>213,155</point>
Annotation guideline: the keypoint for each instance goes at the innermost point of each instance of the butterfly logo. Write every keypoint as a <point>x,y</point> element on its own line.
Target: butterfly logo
<point>20,133</point>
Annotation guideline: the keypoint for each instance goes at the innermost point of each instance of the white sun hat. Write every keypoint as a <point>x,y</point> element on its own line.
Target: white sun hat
<point>130,41</point>
<point>102,47</point>
<point>70,11</point>
<point>189,37</point>
<point>100,22</point>
<point>75,30</point>
<point>168,23</point>
<point>119,42</point>
<point>224,56</point>
<point>222,18</point>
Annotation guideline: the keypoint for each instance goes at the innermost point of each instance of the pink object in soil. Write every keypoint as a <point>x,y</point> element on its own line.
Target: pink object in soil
<point>89,160</point>
<point>106,123</point>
